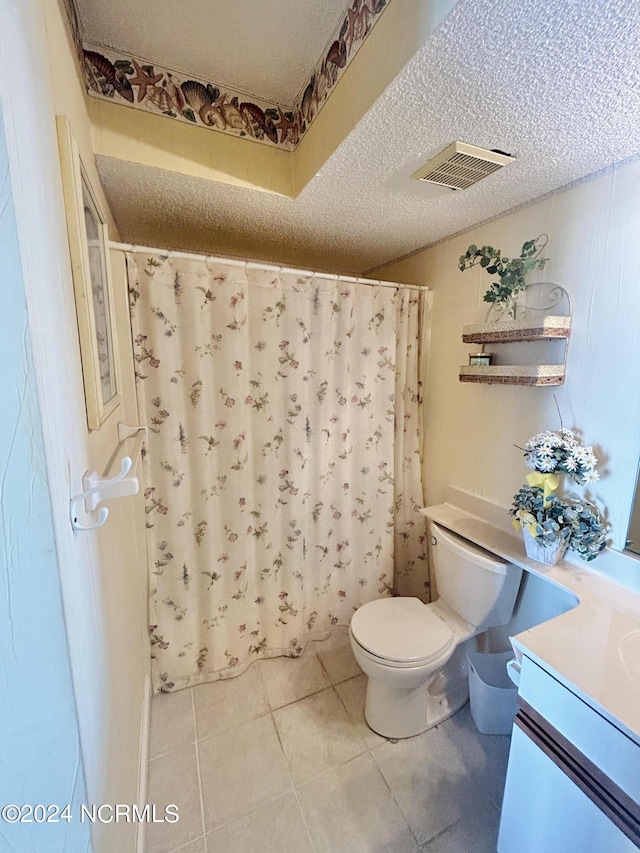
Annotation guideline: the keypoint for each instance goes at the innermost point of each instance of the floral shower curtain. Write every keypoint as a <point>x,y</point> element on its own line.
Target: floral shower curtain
<point>413,323</point>
<point>282,474</point>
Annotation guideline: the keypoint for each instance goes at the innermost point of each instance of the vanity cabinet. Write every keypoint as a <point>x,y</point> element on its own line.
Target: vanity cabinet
<point>573,778</point>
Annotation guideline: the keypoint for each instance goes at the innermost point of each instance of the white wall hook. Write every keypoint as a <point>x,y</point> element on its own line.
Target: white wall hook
<point>98,489</point>
<point>103,514</point>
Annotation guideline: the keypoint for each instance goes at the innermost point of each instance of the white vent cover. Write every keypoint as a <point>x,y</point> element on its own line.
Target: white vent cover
<point>460,165</point>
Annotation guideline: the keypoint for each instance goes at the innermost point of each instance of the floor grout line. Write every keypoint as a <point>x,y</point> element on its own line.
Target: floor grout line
<point>188,844</point>
<point>483,791</point>
<point>323,667</point>
<point>293,783</point>
<point>284,753</point>
<point>248,813</point>
<point>296,787</point>
<point>328,772</point>
<point>232,728</point>
<point>201,795</point>
<point>319,690</point>
<point>304,818</point>
<point>331,683</point>
<point>395,800</point>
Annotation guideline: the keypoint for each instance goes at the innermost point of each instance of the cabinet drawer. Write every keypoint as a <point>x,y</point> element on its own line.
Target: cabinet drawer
<point>612,751</point>
<point>544,811</point>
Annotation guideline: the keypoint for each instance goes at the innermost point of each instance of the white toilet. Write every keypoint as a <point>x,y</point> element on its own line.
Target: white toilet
<point>413,653</point>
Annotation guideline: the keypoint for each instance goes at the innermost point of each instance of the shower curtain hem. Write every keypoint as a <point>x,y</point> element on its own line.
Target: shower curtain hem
<point>209,676</point>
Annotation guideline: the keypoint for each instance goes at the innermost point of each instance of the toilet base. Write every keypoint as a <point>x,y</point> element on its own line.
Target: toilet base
<point>397,714</point>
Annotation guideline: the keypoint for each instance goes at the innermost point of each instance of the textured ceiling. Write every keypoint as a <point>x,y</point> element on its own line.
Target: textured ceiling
<point>265,49</point>
<point>555,83</point>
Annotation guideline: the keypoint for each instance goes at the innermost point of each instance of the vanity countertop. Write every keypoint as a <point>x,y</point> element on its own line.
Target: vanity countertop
<point>594,648</point>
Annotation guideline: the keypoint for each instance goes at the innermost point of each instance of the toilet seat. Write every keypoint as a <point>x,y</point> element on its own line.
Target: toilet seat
<point>401,631</point>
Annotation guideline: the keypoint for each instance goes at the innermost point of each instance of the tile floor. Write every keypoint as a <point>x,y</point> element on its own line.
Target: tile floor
<point>280,760</point>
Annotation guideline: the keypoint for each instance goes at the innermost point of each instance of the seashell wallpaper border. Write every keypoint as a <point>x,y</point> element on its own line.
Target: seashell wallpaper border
<point>134,82</point>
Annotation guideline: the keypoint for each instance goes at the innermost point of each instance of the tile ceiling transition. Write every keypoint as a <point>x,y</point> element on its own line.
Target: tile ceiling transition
<point>553,82</point>
<point>151,85</point>
<point>264,49</point>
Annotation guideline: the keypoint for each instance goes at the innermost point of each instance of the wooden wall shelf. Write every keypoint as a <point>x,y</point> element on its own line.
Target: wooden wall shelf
<point>533,323</point>
<point>513,331</point>
<point>510,374</point>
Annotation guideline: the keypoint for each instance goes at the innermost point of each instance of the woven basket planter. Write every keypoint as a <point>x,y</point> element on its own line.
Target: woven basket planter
<point>547,554</point>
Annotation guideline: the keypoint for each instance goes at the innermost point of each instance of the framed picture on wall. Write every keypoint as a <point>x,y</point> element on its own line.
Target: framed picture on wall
<point>89,250</point>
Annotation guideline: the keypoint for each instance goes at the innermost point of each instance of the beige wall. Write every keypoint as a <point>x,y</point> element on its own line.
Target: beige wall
<point>594,251</point>
<point>198,152</point>
<point>103,573</point>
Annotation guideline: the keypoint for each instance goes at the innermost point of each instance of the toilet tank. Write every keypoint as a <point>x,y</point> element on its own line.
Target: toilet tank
<point>474,583</point>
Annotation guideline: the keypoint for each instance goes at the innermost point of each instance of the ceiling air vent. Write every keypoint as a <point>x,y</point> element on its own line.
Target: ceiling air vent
<point>460,165</point>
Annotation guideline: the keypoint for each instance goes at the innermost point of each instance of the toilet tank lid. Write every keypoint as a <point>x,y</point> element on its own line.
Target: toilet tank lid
<point>465,547</point>
<point>400,629</point>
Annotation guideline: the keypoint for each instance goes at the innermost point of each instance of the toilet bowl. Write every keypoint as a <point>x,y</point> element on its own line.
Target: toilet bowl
<point>413,653</point>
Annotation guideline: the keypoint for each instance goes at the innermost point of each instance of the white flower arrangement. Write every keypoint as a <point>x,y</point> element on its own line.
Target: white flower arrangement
<point>553,522</point>
<point>551,452</point>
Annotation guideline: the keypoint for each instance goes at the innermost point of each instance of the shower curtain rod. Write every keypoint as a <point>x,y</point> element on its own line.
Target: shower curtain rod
<point>195,256</point>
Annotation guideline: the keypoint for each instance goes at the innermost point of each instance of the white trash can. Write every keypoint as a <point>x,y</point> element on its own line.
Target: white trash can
<point>492,694</point>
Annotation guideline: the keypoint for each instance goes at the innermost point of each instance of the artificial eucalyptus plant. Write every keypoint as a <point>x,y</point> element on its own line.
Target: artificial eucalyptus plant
<point>553,521</point>
<point>511,272</point>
